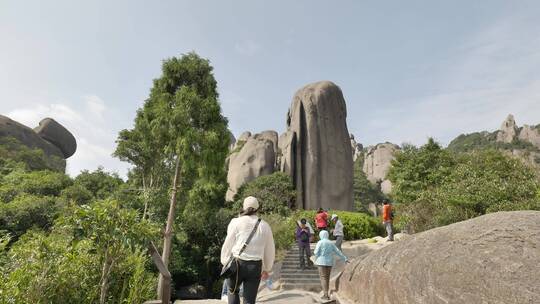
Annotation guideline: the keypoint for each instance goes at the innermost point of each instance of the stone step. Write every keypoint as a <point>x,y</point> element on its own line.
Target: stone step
<point>303,277</point>
<point>301,286</point>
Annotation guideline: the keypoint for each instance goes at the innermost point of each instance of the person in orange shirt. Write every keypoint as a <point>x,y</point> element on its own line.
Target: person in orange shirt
<point>387,219</point>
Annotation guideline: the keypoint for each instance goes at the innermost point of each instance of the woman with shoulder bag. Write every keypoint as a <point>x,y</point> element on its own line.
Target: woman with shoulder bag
<point>249,251</point>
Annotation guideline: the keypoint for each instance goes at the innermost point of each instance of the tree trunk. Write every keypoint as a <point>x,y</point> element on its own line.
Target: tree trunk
<point>167,239</point>
<point>105,278</point>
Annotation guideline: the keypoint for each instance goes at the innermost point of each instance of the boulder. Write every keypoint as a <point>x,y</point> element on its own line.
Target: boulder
<point>494,258</point>
<point>255,158</point>
<point>323,166</point>
<point>55,133</point>
<point>232,141</point>
<point>52,138</point>
<point>530,134</point>
<point>508,130</point>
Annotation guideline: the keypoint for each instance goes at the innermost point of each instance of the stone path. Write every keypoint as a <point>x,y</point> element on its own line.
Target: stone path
<point>292,277</point>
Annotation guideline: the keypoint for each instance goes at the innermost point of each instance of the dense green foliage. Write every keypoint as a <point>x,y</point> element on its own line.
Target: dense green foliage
<point>434,187</point>
<point>486,141</point>
<point>14,154</point>
<point>275,193</point>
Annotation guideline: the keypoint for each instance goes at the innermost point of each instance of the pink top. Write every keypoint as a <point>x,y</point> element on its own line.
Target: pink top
<point>321,220</point>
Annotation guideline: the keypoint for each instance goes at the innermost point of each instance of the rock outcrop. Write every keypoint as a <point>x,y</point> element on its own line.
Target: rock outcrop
<point>55,133</point>
<point>377,162</point>
<point>508,130</point>
<point>356,148</point>
<point>322,162</point>
<point>50,137</point>
<point>530,134</point>
<point>255,157</point>
<point>488,259</point>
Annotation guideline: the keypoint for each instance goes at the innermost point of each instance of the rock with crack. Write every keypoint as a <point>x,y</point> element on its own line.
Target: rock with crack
<point>322,162</point>
<point>377,162</point>
<point>508,130</point>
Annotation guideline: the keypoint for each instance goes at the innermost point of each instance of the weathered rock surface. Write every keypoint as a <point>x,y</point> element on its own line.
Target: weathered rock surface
<point>287,144</point>
<point>255,158</point>
<point>323,166</point>
<point>50,137</point>
<point>192,292</point>
<point>508,130</point>
<point>55,133</point>
<point>530,134</point>
<point>494,258</point>
<point>377,162</point>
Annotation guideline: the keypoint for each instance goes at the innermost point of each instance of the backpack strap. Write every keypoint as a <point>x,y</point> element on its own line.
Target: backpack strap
<point>250,237</point>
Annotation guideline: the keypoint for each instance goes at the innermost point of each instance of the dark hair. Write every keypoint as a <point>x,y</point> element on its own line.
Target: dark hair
<point>303,221</point>
<point>385,201</point>
<point>249,211</point>
<point>320,210</point>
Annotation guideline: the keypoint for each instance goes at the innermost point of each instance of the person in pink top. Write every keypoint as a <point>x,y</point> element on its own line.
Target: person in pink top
<point>321,219</point>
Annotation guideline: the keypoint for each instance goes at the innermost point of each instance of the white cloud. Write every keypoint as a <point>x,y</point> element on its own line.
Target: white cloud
<point>95,105</point>
<point>492,74</point>
<point>95,136</point>
<point>247,47</point>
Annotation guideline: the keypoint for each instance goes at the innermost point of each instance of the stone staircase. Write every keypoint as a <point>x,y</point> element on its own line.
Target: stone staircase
<point>292,277</point>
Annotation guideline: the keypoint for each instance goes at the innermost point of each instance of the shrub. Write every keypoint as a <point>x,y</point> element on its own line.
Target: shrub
<point>356,225</point>
<point>275,192</point>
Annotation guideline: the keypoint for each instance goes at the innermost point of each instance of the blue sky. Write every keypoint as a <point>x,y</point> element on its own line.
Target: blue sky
<point>408,69</point>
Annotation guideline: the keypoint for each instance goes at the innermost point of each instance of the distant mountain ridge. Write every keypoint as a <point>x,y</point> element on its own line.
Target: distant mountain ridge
<point>522,142</point>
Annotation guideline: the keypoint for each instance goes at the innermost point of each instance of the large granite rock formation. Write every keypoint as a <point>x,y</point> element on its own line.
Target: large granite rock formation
<point>377,162</point>
<point>59,136</point>
<point>50,137</point>
<point>253,156</point>
<point>494,258</point>
<point>508,130</point>
<point>323,166</point>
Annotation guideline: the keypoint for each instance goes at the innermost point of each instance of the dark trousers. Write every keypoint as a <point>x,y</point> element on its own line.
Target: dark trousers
<point>304,252</point>
<point>324,273</point>
<point>249,274</point>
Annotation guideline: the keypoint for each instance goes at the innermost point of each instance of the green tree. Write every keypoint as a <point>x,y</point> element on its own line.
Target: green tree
<point>418,169</point>
<point>100,183</point>
<point>182,122</point>
<point>114,231</point>
<point>275,192</point>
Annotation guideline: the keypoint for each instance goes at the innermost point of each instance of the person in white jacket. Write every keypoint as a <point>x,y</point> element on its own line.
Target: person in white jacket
<point>256,260</point>
<point>338,230</point>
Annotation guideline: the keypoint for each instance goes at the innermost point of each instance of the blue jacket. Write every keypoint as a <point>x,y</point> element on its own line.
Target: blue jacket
<point>325,250</point>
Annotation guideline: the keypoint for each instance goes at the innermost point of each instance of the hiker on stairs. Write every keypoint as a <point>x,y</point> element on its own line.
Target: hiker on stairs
<point>324,259</point>
<point>303,236</point>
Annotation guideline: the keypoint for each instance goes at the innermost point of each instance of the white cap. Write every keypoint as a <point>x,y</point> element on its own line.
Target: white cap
<point>251,202</point>
<point>334,216</point>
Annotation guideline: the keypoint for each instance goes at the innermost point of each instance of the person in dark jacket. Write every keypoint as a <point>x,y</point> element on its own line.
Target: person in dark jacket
<point>303,236</point>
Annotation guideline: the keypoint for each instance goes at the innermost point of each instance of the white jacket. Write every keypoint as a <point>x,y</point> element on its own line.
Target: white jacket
<point>260,248</point>
<point>338,228</point>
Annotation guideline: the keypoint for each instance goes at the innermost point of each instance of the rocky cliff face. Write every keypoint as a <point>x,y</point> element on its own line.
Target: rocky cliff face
<point>377,162</point>
<point>508,130</point>
<point>488,259</point>
<point>252,156</point>
<point>50,137</point>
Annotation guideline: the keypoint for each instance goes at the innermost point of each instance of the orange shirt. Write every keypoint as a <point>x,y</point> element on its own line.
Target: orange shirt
<point>386,211</point>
